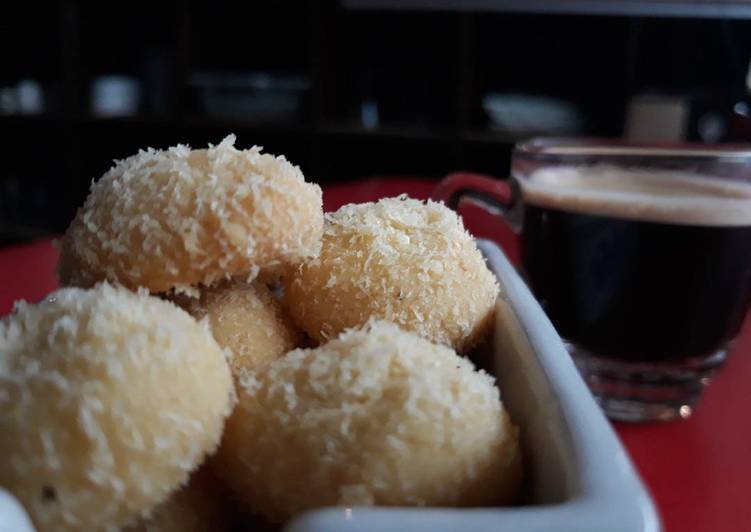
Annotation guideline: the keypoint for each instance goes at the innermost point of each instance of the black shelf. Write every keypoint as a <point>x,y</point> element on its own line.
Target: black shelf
<point>720,9</point>
<point>425,65</point>
<point>490,136</point>
<point>406,132</point>
<point>12,234</point>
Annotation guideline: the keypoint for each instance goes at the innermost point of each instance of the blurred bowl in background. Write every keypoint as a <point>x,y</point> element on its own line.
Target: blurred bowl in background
<point>526,114</point>
<point>259,96</point>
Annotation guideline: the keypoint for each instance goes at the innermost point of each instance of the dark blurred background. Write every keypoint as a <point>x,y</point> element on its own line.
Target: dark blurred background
<point>350,89</point>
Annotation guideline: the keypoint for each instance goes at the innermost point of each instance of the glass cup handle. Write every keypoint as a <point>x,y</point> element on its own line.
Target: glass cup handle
<point>493,195</point>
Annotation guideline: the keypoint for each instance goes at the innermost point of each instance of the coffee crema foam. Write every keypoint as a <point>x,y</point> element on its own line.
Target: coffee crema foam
<point>641,194</point>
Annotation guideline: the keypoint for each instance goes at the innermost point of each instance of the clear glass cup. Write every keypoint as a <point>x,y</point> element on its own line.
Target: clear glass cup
<point>640,255</point>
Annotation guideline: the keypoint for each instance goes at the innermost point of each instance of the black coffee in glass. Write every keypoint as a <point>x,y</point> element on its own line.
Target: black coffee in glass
<point>644,271</point>
<point>655,269</point>
<point>639,253</point>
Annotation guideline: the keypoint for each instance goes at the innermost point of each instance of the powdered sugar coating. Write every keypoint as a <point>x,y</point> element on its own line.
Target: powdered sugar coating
<point>376,416</point>
<point>399,259</point>
<point>108,399</point>
<point>165,219</point>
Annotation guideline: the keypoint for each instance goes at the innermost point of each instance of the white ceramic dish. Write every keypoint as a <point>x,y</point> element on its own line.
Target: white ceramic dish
<point>579,478</point>
<point>13,518</point>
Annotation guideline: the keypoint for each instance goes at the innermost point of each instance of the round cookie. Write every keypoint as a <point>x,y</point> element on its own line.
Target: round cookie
<point>377,416</point>
<point>247,319</point>
<point>169,219</point>
<point>197,507</point>
<point>108,400</point>
<point>401,260</point>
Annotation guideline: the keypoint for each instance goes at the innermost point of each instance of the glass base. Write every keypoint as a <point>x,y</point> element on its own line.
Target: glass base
<point>646,391</point>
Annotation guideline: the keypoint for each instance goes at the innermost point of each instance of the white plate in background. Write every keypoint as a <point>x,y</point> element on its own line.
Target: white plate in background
<point>526,113</point>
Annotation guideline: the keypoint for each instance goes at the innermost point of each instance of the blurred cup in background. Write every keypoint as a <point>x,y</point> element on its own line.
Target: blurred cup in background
<point>30,97</point>
<point>26,97</point>
<point>115,96</point>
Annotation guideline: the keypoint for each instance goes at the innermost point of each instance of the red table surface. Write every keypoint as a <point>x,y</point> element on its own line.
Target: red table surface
<point>699,471</point>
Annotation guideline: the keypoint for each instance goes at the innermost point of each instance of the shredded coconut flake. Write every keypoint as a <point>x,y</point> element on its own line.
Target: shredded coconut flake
<point>168,219</point>
<point>399,259</point>
<point>366,419</point>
